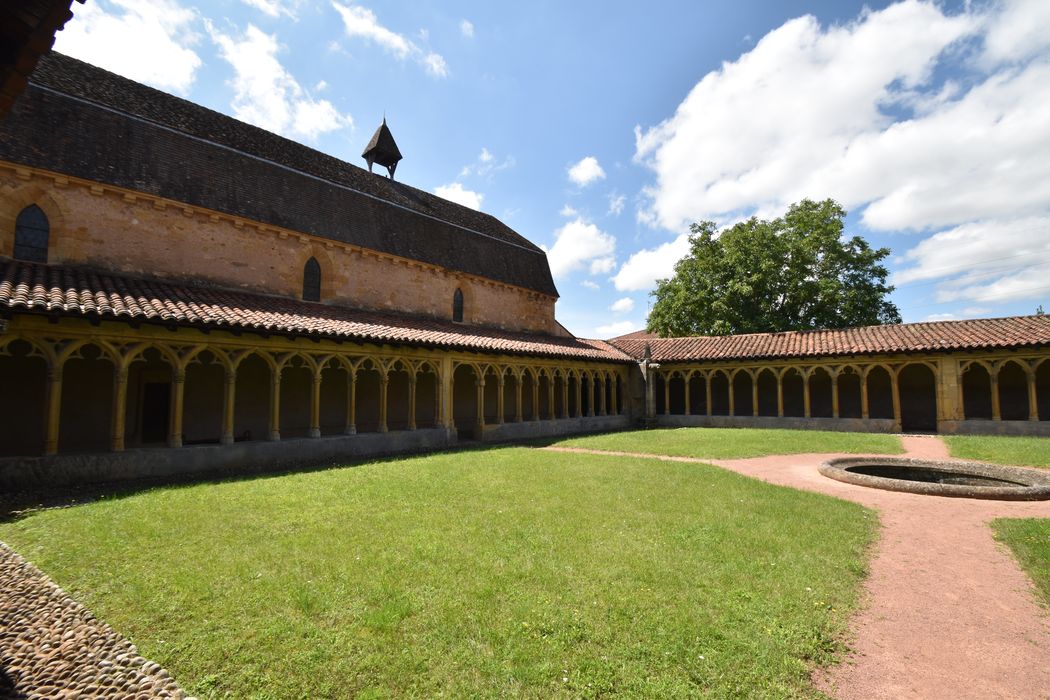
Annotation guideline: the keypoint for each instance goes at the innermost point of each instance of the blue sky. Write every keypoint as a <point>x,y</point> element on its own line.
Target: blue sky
<point>600,130</point>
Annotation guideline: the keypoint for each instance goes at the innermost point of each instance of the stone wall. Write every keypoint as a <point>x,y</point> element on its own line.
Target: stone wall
<point>129,233</point>
<point>870,425</point>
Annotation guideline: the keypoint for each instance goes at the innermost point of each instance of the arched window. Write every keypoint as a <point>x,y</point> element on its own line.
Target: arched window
<point>31,234</point>
<point>457,306</point>
<point>312,280</point>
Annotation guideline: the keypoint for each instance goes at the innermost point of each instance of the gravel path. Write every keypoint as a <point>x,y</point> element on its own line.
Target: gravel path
<point>947,612</point>
<point>52,647</point>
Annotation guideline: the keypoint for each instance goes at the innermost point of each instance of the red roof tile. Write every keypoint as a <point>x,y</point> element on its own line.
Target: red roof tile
<point>934,336</point>
<point>56,289</point>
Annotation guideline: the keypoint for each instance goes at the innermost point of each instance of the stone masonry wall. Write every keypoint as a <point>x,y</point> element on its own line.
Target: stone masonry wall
<point>140,235</point>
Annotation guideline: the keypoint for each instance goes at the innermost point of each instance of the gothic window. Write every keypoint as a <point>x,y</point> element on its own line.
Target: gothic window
<point>31,234</point>
<point>457,306</point>
<point>312,280</point>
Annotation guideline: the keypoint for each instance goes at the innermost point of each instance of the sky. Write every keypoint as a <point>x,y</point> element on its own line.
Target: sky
<point>602,129</point>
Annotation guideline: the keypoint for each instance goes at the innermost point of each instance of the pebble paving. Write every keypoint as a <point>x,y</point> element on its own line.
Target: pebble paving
<point>53,647</point>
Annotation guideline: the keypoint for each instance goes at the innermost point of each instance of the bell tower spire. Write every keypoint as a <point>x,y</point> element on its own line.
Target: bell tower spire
<point>382,149</point>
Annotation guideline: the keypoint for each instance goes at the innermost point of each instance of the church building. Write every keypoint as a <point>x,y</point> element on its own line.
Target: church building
<point>183,292</point>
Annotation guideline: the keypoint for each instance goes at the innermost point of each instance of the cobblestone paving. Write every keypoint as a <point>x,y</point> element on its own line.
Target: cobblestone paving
<point>52,647</point>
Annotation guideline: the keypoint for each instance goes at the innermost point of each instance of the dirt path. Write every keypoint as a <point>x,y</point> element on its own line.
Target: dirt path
<point>947,612</point>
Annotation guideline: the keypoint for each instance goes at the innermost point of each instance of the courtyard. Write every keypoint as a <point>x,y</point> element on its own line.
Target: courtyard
<point>556,570</point>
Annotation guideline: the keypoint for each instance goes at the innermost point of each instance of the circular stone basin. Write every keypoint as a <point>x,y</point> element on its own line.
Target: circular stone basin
<point>959,479</point>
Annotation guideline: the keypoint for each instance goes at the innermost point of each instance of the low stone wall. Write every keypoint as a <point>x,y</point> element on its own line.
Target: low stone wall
<point>994,427</point>
<point>554,428</point>
<point>238,458</point>
<point>870,425</point>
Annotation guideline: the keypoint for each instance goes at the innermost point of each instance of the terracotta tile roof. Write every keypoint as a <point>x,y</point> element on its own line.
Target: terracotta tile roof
<point>54,289</point>
<point>636,335</point>
<point>86,122</point>
<point>934,336</point>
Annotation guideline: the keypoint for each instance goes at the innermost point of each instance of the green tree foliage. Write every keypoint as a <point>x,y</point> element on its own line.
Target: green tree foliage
<point>797,272</point>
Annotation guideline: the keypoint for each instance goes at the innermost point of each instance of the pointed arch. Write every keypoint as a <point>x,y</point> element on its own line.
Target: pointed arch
<point>457,306</point>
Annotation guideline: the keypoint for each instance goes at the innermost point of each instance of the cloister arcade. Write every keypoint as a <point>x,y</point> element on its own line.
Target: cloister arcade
<point>92,392</point>
<point>921,394</point>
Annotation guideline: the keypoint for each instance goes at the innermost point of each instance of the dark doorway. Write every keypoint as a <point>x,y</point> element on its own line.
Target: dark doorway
<point>918,397</point>
<point>156,411</point>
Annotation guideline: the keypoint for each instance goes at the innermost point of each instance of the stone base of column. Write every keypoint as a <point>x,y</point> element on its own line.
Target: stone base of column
<point>226,440</point>
<point>350,430</point>
<point>275,436</point>
<point>315,432</point>
<point>175,441</point>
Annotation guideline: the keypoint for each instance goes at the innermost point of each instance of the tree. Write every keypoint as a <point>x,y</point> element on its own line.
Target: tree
<point>797,272</point>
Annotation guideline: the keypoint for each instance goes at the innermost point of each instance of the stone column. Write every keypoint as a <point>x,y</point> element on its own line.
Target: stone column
<point>579,397</point>
<point>895,394</point>
<point>864,411</point>
<point>688,410</point>
<point>228,402</point>
<point>351,403</point>
<point>707,392</point>
<point>615,396</point>
<point>178,393</point>
<point>805,396</point>
<point>384,386</point>
<point>590,395</point>
<point>501,386</point>
<point>54,409</point>
<point>993,377</point>
<point>1033,397</point>
<point>412,401</point>
<point>834,396</point>
<point>275,404</point>
<point>447,384</point>
<point>536,398</point>
<point>780,395</point>
<point>518,412</point>
<point>667,393</point>
<point>550,399</point>
<point>565,396</point>
<point>120,402</point>
<point>479,384</point>
<point>754,396</point>
<point>732,396</point>
<point>602,407</point>
<point>315,405</point>
<point>437,402</point>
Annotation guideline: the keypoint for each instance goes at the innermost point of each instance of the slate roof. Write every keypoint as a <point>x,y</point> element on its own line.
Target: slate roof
<point>933,336</point>
<point>86,122</point>
<point>60,290</point>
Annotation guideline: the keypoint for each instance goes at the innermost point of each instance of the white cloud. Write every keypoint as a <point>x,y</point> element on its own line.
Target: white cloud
<point>790,118</point>
<point>590,285</point>
<point>485,156</point>
<point>1018,31</point>
<point>455,192</point>
<point>622,306</point>
<point>586,171</point>
<point>616,203</point>
<point>643,268</point>
<point>321,86</point>
<point>576,244</point>
<point>983,261</point>
<point>603,266</point>
<point>569,211</point>
<point>486,164</point>
<point>361,22</point>
<point>273,8</point>
<point>940,317</point>
<point>466,28</point>
<point>145,41</point>
<point>267,95</point>
<point>618,328</point>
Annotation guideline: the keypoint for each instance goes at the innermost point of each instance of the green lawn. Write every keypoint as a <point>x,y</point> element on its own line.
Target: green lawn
<point>1029,539</point>
<point>730,443</point>
<point>1020,450</point>
<point>501,572</point>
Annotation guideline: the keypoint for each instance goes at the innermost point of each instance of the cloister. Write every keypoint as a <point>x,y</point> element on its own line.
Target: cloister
<point>95,391</point>
<point>921,394</point>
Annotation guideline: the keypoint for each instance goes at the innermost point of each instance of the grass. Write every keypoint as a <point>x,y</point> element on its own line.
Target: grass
<point>1029,539</point>
<point>1019,450</point>
<point>731,443</point>
<point>502,572</point>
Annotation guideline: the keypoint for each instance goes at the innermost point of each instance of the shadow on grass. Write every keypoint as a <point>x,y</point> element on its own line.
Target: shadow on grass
<point>16,505</point>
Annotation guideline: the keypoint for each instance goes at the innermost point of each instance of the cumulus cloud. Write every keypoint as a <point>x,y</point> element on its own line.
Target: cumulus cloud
<point>577,244</point>
<point>266,94</point>
<point>859,112</point>
<point>586,171</point>
<point>146,41</point>
<point>616,329</point>
<point>455,192</point>
<point>590,285</point>
<point>643,268</point>
<point>273,8</point>
<point>466,28</point>
<point>361,23</point>
<point>616,203</point>
<point>569,211</point>
<point>622,306</point>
